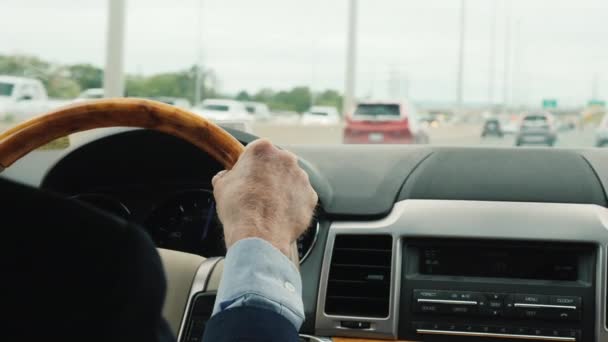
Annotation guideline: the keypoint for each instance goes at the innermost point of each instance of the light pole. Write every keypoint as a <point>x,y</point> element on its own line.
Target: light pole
<point>199,56</point>
<point>351,59</point>
<point>113,76</point>
<point>492,55</point>
<point>507,58</point>
<point>460,76</point>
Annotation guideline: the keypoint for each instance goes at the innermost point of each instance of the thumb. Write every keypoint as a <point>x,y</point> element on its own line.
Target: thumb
<point>217,177</point>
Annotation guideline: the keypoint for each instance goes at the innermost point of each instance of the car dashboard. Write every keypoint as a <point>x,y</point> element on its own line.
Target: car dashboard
<point>418,243</point>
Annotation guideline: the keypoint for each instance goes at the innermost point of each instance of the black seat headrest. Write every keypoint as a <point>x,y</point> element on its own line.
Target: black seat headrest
<point>74,273</point>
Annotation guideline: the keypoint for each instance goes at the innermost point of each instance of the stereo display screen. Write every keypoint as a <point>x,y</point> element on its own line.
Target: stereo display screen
<point>499,262</point>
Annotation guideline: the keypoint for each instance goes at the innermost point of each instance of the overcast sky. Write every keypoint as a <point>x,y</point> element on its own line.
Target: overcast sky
<point>557,45</point>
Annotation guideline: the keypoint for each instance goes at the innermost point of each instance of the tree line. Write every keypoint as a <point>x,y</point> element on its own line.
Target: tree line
<point>67,81</point>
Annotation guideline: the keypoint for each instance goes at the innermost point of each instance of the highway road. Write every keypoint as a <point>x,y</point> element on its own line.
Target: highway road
<point>447,135</point>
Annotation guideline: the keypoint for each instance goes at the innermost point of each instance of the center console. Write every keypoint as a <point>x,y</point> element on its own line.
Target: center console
<point>452,271</point>
<point>497,290</point>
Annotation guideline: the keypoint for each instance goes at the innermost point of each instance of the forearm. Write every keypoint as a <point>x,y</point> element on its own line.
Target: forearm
<point>258,275</point>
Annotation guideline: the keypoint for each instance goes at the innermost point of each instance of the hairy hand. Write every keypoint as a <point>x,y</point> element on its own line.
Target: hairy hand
<point>265,195</point>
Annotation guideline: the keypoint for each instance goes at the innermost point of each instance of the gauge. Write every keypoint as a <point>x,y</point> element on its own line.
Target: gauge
<point>188,223</point>
<point>105,203</point>
<point>307,240</point>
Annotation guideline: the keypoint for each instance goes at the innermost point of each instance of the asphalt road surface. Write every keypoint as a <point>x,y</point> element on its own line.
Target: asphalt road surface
<point>567,139</point>
<point>446,135</point>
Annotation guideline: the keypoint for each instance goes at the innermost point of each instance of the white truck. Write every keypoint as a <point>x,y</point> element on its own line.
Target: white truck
<point>229,113</point>
<point>22,98</point>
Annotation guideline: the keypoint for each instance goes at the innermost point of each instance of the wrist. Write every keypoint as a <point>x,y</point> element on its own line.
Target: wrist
<point>283,246</point>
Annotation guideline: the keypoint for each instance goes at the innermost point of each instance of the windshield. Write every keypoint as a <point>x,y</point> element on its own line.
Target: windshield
<point>435,71</point>
<point>217,108</point>
<point>377,110</point>
<point>6,89</point>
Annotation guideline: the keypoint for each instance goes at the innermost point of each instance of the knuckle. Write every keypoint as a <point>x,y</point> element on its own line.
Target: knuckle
<point>261,145</point>
<point>303,175</point>
<point>261,149</point>
<point>289,158</point>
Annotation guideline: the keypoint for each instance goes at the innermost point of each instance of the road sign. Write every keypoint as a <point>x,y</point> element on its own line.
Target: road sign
<point>596,103</point>
<point>549,103</point>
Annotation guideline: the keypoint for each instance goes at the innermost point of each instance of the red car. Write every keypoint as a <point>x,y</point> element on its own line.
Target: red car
<point>384,123</point>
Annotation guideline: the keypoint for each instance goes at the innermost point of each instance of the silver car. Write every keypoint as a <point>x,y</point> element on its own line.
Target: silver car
<point>536,128</point>
<point>601,134</point>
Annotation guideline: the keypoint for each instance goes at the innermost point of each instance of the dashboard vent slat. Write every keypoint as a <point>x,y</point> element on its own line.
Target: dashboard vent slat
<point>360,276</point>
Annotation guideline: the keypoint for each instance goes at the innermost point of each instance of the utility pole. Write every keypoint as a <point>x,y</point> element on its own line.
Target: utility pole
<point>507,58</point>
<point>113,76</point>
<point>199,56</point>
<point>516,49</point>
<point>492,55</point>
<point>351,59</point>
<point>460,76</point>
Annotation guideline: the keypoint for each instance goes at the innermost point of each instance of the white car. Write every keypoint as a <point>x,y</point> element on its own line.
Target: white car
<point>22,98</point>
<point>259,110</point>
<point>229,113</point>
<point>91,94</point>
<point>174,101</point>
<point>321,115</point>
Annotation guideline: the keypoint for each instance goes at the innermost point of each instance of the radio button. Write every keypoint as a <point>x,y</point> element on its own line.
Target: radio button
<point>469,328</point>
<point>493,304</point>
<point>531,299</point>
<point>522,331</point>
<point>563,315</point>
<point>491,312</point>
<point>430,294</point>
<point>428,308</point>
<point>355,324</point>
<point>530,313</point>
<point>504,330</point>
<point>462,309</point>
<point>436,326</point>
<point>467,296</point>
<point>495,297</point>
<point>565,301</point>
<point>486,329</point>
<point>537,332</point>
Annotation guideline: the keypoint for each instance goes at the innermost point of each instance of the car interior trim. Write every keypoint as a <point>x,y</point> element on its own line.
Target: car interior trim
<point>198,285</point>
<point>495,335</point>
<point>544,306</point>
<point>483,220</point>
<point>314,240</point>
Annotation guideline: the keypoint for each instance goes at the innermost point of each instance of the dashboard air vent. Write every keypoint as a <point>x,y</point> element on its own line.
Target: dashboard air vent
<point>360,276</point>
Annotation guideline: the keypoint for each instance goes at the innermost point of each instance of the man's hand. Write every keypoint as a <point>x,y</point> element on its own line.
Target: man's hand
<point>265,195</point>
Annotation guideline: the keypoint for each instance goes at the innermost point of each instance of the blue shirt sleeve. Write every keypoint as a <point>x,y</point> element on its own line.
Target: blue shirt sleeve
<point>256,274</point>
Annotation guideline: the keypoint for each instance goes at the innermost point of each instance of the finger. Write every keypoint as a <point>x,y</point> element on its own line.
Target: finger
<point>261,148</point>
<point>217,177</point>
<point>289,159</point>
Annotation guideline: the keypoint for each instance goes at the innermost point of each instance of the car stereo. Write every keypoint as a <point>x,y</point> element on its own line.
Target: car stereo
<point>473,290</point>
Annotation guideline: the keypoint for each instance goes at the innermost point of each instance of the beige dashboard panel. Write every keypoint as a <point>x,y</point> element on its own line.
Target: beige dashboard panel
<point>216,275</point>
<point>180,269</point>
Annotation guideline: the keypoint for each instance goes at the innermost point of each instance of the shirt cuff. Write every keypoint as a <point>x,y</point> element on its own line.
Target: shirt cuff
<point>256,274</point>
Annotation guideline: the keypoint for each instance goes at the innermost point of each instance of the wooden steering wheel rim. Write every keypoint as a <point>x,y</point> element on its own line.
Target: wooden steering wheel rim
<point>119,112</point>
<point>122,112</point>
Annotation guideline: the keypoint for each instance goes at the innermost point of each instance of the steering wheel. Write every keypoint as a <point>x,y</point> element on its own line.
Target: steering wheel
<point>126,112</point>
